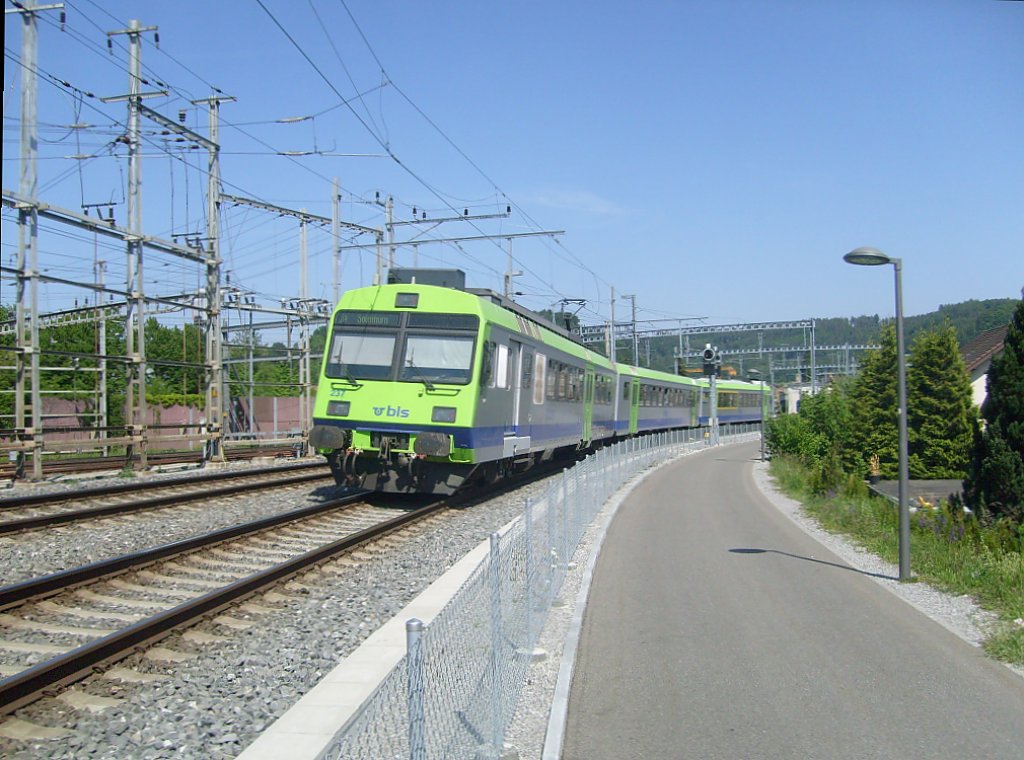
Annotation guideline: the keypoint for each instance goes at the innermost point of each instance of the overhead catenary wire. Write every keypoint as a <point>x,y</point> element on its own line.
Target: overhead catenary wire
<point>383,144</point>
<point>372,127</point>
<point>116,124</point>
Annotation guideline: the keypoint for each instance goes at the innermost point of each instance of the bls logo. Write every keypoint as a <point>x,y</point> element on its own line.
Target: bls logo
<point>390,411</point>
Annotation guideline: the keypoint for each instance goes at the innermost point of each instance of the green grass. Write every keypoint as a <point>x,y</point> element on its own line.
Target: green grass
<point>949,551</point>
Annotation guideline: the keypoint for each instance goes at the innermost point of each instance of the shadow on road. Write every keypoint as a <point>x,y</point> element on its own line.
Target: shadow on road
<point>817,561</point>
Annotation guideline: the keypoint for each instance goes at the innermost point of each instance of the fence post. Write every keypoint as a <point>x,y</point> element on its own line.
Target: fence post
<point>565,518</point>
<point>577,499</point>
<point>496,674</point>
<point>530,574</point>
<point>549,504</point>
<point>417,719</point>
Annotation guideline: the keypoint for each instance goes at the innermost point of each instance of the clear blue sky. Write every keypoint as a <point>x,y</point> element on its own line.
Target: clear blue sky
<point>714,158</point>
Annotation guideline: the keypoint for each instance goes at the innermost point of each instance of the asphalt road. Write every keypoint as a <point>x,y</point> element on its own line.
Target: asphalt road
<point>716,628</point>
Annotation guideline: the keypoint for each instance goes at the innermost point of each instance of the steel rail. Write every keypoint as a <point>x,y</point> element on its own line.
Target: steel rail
<point>61,518</point>
<point>149,485</point>
<point>234,453</point>
<point>24,687</point>
<point>47,585</point>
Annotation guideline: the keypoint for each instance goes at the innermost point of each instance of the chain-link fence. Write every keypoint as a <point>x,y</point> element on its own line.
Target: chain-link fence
<point>454,693</point>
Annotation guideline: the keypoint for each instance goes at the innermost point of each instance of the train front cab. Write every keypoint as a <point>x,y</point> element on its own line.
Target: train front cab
<point>396,399</point>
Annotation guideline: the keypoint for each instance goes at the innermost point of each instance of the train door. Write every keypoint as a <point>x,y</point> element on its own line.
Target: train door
<point>515,441</point>
<point>588,406</point>
<point>515,385</point>
<point>634,404</point>
<point>524,412</point>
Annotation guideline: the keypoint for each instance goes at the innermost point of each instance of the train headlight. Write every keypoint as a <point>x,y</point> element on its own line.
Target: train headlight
<point>338,408</point>
<point>443,414</point>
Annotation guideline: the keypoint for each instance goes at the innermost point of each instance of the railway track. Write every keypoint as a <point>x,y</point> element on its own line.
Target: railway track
<point>59,628</point>
<point>78,464</point>
<point>49,509</point>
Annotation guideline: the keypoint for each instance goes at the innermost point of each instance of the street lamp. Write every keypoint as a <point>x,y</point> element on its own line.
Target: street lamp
<point>874,257</point>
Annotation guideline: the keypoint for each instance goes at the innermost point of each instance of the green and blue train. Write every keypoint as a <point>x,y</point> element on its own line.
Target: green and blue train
<point>424,388</point>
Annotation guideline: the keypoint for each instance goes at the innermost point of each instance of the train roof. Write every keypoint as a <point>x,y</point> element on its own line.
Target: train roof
<point>486,304</point>
<point>655,374</point>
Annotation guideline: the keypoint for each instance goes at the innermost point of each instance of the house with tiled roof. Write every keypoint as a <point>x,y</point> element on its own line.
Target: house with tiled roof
<point>978,356</point>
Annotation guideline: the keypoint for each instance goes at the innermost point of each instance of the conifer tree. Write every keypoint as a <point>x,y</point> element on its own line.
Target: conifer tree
<point>874,409</point>
<point>939,417</point>
<point>995,479</point>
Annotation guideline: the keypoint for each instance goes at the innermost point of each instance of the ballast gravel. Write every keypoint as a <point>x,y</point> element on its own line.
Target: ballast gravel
<point>36,553</point>
<point>213,706</point>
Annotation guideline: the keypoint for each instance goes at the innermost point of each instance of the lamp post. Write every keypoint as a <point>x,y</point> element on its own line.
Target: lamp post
<point>874,257</point>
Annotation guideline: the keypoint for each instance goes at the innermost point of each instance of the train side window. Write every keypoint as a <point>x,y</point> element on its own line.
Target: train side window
<point>540,378</point>
<point>501,372</point>
<point>487,365</point>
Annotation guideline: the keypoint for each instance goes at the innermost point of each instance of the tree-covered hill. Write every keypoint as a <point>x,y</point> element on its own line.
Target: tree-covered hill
<point>969,319</point>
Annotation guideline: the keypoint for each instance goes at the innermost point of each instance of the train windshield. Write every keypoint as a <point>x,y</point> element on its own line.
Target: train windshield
<point>410,347</point>
<point>437,359</point>
<point>361,355</point>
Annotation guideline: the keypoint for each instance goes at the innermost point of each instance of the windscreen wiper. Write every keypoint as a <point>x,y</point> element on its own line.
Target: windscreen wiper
<point>422,378</point>
<point>346,373</point>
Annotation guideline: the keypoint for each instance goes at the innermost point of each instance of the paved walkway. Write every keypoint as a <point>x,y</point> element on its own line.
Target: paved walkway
<point>718,629</point>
